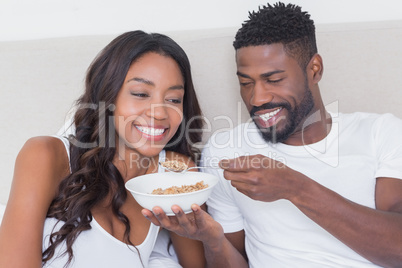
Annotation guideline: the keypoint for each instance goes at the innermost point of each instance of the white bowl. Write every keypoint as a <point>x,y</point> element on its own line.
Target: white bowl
<point>141,188</point>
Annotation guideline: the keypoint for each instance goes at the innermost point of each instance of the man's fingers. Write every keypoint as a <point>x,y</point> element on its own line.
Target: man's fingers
<point>249,162</point>
<point>225,163</point>
<point>239,164</point>
<point>238,177</point>
<point>233,165</point>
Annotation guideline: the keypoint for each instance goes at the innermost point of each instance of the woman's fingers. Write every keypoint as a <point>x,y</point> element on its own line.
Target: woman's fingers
<point>157,216</point>
<point>199,216</point>
<point>197,225</point>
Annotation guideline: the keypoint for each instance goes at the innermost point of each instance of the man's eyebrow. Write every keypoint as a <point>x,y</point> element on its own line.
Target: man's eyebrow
<point>268,74</point>
<point>150,83</point>
<point>264,75</point>
<point>242,75</point>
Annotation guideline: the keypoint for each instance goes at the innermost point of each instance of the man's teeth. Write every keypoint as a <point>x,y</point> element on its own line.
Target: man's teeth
<point>269,115</point>
<point>151,131</point>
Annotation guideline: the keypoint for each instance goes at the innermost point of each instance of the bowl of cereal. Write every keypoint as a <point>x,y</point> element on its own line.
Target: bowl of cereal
<point>166,189</point>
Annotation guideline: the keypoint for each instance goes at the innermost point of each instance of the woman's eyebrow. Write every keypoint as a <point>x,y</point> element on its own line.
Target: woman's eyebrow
<point>177,87</point>
<point>141,80</point>
<point>150,83</point>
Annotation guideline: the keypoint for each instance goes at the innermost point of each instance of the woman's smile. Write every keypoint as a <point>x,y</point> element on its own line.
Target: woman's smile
<point>152,133</point>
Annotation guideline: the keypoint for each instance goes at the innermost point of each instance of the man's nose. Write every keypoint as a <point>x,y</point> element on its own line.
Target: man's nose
<point>260,95</point>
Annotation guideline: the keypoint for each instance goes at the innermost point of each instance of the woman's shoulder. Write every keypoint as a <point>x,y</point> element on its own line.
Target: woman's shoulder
<point>45,152</point>
<point>40,166</point>
<point>44,145</point>
<point>45,142</point>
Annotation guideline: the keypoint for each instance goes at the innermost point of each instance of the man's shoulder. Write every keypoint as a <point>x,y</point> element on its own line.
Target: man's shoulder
<point>364,118</point>
<point>363,123</point>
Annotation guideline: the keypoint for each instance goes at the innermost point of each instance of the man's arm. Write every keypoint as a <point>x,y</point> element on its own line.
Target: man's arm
<point>376,234</point>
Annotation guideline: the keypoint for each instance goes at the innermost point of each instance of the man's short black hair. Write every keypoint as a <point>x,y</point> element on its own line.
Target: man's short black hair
<point>280,23</point>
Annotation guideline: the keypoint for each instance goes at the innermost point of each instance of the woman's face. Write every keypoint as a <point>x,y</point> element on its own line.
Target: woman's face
<point>149,106</point>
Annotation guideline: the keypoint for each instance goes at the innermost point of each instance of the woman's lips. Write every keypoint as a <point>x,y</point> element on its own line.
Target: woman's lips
<point>154,133</point>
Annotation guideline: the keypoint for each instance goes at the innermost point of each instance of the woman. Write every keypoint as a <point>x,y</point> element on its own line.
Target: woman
<point>139,100</point>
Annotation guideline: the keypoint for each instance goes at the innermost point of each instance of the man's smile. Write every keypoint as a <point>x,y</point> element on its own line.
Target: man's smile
<point>269,115</point>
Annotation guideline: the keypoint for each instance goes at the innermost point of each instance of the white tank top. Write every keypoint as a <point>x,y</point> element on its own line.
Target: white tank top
<point>96,247</point>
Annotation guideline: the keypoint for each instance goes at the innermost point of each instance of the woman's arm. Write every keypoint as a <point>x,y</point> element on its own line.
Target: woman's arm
<point>189,252</point>
<point>39,168</point>
<point>220,250</point>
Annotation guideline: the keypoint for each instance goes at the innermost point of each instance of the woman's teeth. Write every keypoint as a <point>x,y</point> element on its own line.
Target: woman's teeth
<point>151,131</point>
<point>269,115</point>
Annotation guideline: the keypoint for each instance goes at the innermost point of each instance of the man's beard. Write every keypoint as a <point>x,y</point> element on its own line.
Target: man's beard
<point>295,117</point>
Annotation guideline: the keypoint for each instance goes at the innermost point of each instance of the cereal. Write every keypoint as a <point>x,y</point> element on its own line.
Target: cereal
<point>180,190</point>
<point>175,165</point>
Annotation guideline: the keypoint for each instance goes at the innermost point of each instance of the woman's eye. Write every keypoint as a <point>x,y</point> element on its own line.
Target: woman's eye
<point>175,101</point>
<point>140,95</point>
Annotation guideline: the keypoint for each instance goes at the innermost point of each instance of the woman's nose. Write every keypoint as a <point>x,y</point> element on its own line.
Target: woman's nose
<point>158,111</point>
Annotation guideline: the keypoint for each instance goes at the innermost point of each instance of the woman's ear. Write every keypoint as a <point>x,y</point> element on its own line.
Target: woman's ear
<point>316,68</point>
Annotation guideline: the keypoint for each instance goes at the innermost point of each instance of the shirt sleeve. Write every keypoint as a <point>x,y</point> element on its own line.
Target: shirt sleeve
<point>388,139</point>
<point>222,204</point>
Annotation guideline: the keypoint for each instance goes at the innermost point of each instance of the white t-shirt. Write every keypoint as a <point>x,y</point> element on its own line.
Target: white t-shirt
<point>359,148</point>
<point>97,248</point>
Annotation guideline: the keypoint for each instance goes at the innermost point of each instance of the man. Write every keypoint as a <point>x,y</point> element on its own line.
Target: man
<point>301,187</point>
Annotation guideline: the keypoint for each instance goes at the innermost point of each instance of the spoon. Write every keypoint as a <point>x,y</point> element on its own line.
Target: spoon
<point>180,167</point>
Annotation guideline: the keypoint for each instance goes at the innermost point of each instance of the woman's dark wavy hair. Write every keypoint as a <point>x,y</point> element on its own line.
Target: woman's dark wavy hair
<point>93,174</point>
<point>280,23</point>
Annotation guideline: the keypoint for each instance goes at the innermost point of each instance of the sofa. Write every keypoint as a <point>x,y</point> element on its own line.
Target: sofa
<point>41,79</point>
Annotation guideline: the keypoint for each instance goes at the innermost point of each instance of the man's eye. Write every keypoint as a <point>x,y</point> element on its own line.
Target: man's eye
<point>274,81</point>
<point>244,84</point>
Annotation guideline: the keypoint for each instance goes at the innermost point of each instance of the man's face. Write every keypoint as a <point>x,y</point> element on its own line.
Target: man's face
<point>274,89</point>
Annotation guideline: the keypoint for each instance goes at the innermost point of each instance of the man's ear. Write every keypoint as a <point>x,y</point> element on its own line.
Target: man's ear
<point>316,68</point>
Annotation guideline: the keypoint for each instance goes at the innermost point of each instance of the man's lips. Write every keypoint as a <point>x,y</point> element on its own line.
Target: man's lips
<point>268,118</point>
<point>266,115</point>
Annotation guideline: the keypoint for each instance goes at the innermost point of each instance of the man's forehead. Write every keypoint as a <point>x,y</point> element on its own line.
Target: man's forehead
<point>265,56</point>
<point>261,50</point>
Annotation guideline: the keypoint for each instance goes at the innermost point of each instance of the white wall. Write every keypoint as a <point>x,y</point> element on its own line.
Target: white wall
<point>37,19</point>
